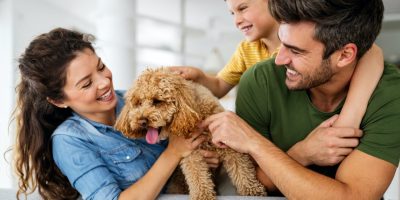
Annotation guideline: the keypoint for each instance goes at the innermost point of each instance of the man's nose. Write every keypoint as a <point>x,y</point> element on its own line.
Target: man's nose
<point>282,57</point>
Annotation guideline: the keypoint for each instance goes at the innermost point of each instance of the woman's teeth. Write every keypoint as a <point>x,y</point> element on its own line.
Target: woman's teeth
<point>106,96</point>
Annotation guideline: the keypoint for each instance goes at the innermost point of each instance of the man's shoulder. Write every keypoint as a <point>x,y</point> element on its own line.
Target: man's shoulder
<point>266,69</point>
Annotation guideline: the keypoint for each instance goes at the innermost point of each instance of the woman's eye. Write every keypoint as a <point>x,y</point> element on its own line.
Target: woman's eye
<point>88,84</point>
<point>102,67</point>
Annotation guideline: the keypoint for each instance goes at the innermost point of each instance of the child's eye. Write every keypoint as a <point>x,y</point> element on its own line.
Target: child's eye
<point>242,8</point>
<point>87,85</point>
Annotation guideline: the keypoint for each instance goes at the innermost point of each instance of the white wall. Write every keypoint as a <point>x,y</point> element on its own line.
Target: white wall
<point>38,16</point>
<point>389,40</point>
<point>6,89</point>
<point>20,21</point>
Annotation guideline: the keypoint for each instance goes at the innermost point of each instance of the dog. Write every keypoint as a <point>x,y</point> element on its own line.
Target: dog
<point>162,103</point>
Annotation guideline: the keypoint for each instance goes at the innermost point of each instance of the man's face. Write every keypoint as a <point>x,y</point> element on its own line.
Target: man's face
<point>302,57</point>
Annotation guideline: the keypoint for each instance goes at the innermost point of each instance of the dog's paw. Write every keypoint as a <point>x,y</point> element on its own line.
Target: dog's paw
<point>210,196</point>
<point>256,189</point>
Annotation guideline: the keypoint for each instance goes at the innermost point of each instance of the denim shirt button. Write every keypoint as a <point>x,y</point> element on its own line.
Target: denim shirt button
<point>128,157</point>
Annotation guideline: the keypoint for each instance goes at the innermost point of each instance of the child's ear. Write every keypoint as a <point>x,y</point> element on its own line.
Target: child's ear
<point>57,103</point>
<point>348,54</point>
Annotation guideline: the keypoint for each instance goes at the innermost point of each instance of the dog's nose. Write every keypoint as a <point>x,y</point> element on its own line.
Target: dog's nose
<point>143,123</point>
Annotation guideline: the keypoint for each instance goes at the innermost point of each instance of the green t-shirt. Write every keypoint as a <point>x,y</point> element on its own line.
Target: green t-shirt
<point>287,117</point>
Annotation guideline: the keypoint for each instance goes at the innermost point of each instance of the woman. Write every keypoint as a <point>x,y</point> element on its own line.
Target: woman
<point>66,145</point>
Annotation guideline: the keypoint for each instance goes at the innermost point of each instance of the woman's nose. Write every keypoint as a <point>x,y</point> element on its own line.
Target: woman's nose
<point>104,82</point>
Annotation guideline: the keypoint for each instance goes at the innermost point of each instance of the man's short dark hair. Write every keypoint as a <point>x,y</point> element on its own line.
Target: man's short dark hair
<point>337,22</point>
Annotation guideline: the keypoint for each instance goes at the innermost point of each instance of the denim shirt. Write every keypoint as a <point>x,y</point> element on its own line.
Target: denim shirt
<point>97,159</point>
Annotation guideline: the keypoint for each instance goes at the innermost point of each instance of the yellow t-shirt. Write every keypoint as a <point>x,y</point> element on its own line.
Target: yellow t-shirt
<point>246,55</point>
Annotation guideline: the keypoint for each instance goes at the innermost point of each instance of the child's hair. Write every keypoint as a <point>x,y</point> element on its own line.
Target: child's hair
<point>43,75</point>
<point>336,22</point>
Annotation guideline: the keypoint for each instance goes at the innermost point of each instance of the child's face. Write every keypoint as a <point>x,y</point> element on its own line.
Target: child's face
<point>252,18</point>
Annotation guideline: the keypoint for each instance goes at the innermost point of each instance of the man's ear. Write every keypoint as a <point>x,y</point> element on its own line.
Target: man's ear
<point>57,103</point>
<point>347,55</point>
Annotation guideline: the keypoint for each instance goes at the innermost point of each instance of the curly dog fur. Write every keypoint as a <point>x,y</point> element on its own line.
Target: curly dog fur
<point>165,101</point>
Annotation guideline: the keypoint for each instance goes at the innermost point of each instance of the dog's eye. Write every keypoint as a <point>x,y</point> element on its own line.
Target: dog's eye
<point>137,103</point>
<point>156,101</point>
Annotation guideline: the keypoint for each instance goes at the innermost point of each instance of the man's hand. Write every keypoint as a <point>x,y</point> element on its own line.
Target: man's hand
<point>228,129</point>
<point>326,145</point>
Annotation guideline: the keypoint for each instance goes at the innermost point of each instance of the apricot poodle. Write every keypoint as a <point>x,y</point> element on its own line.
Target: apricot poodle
<point>163,103</point>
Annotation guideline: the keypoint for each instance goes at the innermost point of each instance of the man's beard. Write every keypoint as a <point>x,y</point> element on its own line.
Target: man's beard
<point>318,77</point>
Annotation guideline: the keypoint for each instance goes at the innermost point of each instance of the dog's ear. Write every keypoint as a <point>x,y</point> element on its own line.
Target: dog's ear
<point>123,121</point>
<point>187,117</point>
<point>122,124</point>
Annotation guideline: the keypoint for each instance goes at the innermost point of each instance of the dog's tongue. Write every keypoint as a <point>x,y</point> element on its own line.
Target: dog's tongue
<point>152,136</point>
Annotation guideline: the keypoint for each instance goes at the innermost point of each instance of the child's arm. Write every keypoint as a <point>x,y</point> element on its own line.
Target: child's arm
<point>368,71</point>
<point>216,85</point>
<point>366,76</point>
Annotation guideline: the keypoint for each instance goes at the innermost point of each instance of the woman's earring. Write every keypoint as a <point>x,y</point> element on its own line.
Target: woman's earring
<point>65,106</point>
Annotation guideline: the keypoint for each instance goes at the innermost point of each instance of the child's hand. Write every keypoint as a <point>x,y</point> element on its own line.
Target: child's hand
<point>182,147</point>
<point>189,73</point>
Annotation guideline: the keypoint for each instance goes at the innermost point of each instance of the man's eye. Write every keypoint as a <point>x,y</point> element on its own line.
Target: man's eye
<point>294,51</point>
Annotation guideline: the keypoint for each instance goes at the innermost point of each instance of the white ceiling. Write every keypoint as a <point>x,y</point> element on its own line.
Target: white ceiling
<point>199,13</point>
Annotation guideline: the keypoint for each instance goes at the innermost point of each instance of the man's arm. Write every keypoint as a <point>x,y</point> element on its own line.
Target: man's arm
<point>325,146</point>
<point>359,176</point>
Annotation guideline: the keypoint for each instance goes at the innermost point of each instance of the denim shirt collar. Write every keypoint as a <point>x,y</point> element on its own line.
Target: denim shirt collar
<point>103,127</point>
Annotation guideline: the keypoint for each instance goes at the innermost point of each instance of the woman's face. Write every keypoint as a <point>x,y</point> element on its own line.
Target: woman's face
<point>89,89</point>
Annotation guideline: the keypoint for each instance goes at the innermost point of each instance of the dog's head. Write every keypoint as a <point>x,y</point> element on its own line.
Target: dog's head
<point>160,103</point>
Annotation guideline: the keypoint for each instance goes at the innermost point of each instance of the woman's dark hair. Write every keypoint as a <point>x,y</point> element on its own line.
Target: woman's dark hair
<point>337,22</point>
<point>43,75</point>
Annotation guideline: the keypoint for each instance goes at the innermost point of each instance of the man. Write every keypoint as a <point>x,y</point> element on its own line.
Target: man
<point>322,41</point>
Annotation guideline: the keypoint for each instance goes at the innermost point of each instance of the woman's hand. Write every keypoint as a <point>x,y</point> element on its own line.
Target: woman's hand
<point>211,158</point>
<point>182,147</point>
